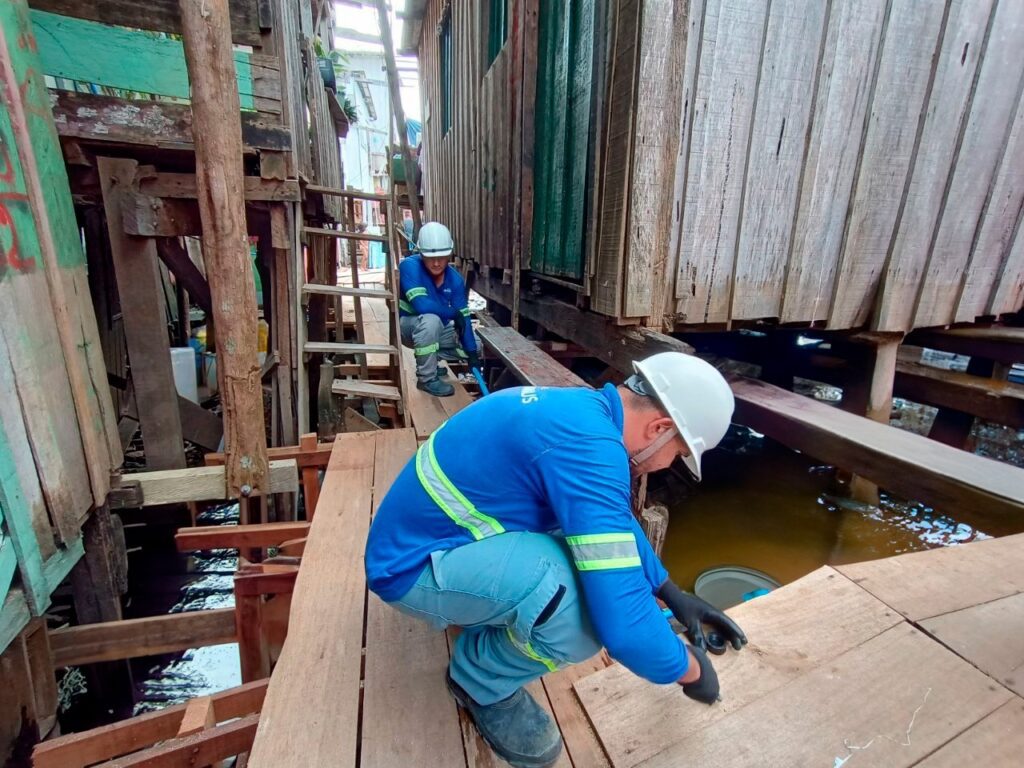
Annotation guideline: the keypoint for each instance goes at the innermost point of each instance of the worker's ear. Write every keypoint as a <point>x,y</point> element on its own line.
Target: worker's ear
<point>658,425</point>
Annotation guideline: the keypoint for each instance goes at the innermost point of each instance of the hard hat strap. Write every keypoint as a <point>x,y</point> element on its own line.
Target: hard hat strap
<point>641,456</point>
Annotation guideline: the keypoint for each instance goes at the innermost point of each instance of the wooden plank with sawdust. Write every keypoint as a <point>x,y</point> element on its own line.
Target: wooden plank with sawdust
<point>921,585</point>
<point>999,737</point>
<point>795,629</point>
<point>406,662</point>
<point>310,716</point>
<point>891,701</point>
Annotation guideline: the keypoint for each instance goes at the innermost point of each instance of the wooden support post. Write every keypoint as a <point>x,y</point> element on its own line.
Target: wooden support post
<point>654,522</point>
<point>206,34</point>
<point>145,327</point>
<point>953,427</point>
<point>310,479</point>
<point>396,104</point>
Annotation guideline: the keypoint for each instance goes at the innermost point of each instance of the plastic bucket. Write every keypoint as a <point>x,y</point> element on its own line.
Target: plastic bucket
<point>183,365</point>
<point>729,585</point>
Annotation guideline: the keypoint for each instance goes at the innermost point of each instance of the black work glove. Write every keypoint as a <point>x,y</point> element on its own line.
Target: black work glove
<point>474,361</point>
<point>705,688</point>
<point>692,612</point>
<point>460,324</point>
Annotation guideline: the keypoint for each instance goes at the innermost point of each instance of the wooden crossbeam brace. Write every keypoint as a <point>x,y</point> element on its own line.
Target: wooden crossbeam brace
<point>239,536</point>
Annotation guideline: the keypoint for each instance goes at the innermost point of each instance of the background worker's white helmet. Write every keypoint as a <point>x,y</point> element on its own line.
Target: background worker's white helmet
<point>435,240</point>
<point>695,395</point>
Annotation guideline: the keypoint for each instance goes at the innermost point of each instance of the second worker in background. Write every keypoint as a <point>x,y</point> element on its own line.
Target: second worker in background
<point>434,310</point>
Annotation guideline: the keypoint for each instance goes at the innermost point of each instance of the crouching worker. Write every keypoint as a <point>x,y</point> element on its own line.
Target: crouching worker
<point>532,548</point>
<point>434,311</point>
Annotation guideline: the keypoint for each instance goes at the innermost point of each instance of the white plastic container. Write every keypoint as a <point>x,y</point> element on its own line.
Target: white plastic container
<point>183,363</point>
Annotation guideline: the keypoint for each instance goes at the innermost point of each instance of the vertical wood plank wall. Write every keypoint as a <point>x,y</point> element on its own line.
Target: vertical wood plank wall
<point>845,164</point>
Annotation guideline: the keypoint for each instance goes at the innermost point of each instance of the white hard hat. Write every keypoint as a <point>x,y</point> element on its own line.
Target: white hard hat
<point>695,395</point>
<point>435,240</point>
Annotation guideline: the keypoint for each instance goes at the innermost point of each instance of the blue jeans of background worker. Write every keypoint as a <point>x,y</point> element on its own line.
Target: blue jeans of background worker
<point>429,337</point>
<point>518,600</point>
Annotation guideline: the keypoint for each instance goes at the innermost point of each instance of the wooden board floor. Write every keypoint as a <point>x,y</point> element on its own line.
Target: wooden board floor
<point>910,660</point>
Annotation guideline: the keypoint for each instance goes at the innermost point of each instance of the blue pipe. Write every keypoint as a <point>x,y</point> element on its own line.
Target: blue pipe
<point>480,382</point>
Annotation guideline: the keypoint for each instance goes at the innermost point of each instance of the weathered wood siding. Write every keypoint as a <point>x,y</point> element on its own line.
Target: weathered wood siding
<point>850,164</point>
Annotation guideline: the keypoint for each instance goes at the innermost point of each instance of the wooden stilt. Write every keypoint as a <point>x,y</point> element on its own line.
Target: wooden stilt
<point>218,142</point>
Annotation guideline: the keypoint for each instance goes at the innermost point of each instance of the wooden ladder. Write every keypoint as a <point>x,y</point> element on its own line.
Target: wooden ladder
<point>359,381</point>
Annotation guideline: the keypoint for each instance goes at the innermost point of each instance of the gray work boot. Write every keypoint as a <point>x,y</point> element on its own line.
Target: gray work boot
<point>518,730</point>
<point>436,387</point>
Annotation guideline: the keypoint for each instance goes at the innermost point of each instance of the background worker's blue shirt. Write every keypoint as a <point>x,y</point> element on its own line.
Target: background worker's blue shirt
<point>422,296</point>
<point>538,459</point>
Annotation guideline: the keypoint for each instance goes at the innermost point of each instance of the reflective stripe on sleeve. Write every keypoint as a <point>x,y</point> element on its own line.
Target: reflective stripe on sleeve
<point>406,307</point>
<point>451,501</point>
<point>604,551</point>
<point>464,312</point>
<point>427,350</point>
<point>413,293</point>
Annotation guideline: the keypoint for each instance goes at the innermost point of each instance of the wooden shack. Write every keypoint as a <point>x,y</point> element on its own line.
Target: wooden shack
<point>688,164</point>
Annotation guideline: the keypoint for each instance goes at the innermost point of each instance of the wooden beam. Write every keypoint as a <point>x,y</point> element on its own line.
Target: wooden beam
<point>128,639</point>
<point>199,715</point>
<point>77,750</point>
<point>354,194</point>
<point>203,748</point>
<point>174,486</point>
<point>184,185</point>
<point>238,536</point>
<point>316,456</point>
<point>173,254</point>
<point>1001,344</point>
<point>157,15</point>
<point>206,34</point>
<point>529,363</point>
<point>978,490</point>
<point>344,235</point>
<point>992,399</point>
<point>145,329</point>
<point>151,124</point>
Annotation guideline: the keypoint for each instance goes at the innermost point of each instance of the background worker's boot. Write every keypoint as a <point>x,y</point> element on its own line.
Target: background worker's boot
<point>436,387</point>
<point>517,729</point>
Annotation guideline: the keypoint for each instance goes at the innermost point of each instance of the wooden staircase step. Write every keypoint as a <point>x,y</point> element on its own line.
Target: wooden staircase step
<point>356,388</point>
<point>346,290</point>
<point>348,348</point>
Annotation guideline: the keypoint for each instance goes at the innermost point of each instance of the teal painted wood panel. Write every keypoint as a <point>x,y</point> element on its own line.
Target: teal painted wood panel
<point>564,93</point>
<point>14,616</point>
<point>8,562</point>
<point>132,60</point>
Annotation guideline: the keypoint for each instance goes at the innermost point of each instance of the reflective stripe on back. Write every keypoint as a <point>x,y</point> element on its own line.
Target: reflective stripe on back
<point>604,551</point>
<point>447,496</point>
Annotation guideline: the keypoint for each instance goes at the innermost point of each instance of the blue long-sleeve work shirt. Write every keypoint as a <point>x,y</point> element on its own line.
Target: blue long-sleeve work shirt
<point>540,459</point>
<point>422,296</point>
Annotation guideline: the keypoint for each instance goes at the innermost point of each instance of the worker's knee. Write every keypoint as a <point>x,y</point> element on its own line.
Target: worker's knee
<point>429,328</point>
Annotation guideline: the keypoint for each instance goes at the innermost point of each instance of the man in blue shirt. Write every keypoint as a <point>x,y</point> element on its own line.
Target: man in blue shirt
<point>434,310</point>
<point>530,545</point>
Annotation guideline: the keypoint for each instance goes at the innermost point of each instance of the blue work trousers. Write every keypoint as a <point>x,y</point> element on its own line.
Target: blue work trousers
<point>518,599</point>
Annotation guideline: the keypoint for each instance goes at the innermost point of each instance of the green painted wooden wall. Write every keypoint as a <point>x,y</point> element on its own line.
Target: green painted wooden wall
<point>131,60</point>
<point>564,92</point>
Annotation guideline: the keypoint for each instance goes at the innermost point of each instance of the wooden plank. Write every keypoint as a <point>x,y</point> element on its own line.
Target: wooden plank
<point>979,634</point>
<point>186,273</point>
<point>161,124</point>
<point>199,716</point>
<point>140,291</point>
<point>238,536</point>
<point>731,49</point>
<point>344,290</point>
<point>347,348</point>
<point>183,185</point>
<point>203,748</point>
<point>930,693</point>
<point>158,15</point>
<point>992,399</point>
<point>361,236</point>
<point>798,628</point>
<point>910,45</point>
<point>526,361</point>
<point>987,492</point>
<point>200,426</point>
<point>999,737</point>
<point>426,411</point>
<point>785,95</point>
<point>581,743</point>
<point>77,750</point>
<point>963,45</point>
<point>406,662</point>
<point>355,388</point>
<point>921,585</point>
<point>354,194</point>
<point>317,455</point>
<point>310,716</point>
<point>175,486</point>
<point>1008,293</point>
<point>1001,344</point>
<point>845,90</point>
<point>982,145</point>
<point>207,43</point>
<point>130,638</point>
<point>356,422</point>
